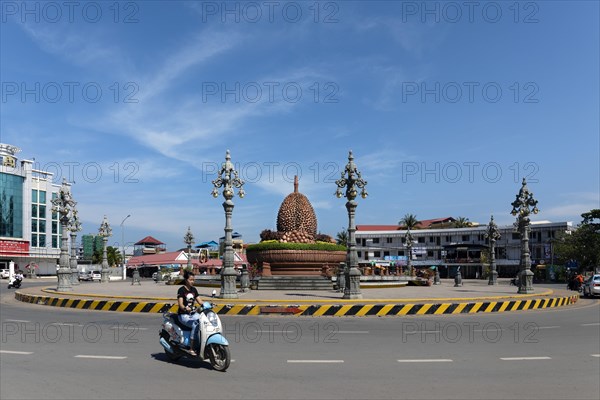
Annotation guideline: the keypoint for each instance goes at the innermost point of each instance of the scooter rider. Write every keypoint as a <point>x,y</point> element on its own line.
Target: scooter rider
<point>186,296</point>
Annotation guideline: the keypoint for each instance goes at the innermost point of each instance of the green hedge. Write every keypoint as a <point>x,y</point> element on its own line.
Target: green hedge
<point>273,245</point>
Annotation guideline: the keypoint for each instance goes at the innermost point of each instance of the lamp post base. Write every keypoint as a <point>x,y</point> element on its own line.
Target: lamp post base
<point>228,289</point>
<point>64,280</point>
<point>352,287</point>
<point>74,277</point>
<point>105,275</point>
<point>493,280</point>
<point>526,282</point>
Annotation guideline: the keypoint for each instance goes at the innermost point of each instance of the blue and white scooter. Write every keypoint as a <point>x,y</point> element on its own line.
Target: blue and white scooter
<point>211,346</point>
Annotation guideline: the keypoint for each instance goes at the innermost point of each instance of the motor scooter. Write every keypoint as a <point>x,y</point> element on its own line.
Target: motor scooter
<point>15,282</point>
<point>210,344</point>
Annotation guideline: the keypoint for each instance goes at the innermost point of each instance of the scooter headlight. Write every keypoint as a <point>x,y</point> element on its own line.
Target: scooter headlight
<point>212,318</point>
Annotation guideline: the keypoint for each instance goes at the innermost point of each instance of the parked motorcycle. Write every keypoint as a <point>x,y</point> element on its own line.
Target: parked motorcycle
<point>211,345</point>
<point>15,282</point>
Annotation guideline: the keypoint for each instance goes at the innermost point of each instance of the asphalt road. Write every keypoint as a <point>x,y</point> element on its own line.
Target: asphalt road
<point>49,353</point>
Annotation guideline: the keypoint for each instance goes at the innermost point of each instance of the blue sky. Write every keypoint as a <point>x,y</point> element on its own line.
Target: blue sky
<point>446,107</point>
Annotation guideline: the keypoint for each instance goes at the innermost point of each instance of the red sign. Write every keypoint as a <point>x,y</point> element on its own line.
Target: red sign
<point>14,248</point>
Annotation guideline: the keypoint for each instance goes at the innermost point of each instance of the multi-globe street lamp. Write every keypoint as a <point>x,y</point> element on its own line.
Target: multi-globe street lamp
<point>124,271</point>
<point>62,205</point>
<point>189,240</point>
<point>492,234</point>
<point>409,244</point>
<point>105,231</point>
<point>523,206</point>
<point>228,179</point>
<point>74,227</point>
<point>351,180</point>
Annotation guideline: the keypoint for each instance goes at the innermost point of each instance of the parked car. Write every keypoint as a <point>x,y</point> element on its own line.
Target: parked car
<point>96,276</point>
<point>4,273</point>
<point>85,276</point>
<point>591,287</point>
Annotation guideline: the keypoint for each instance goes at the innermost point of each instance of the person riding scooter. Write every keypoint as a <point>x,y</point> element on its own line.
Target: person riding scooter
<point>15,280</point>
<point>187,295</point>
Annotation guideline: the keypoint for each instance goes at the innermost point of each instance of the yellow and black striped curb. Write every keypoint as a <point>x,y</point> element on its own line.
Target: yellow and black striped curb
<point>548,292</point>
<point>337,310</point>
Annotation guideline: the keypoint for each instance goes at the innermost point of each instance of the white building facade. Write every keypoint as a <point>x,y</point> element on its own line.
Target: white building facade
<point>453,247</point>
<point>29,231</point>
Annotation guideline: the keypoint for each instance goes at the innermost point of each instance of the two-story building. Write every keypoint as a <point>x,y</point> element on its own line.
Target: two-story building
<point>449,248</point>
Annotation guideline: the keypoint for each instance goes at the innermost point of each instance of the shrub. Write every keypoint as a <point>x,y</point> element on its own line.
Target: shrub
<point>295,246</point>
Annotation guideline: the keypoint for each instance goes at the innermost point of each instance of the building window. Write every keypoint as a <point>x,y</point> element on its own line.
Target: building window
<point>386,254</point>
<point>38,218</point>
<point>466,238</point>
<point>358,254</point>
<point>388,240</point>
<point>431,239</point>
<point>11,206</point>
<point>551,234</point>
<point>56,229</point>
<point>421,240</point>
<point>430,253</point>
<point>516,236</point>
<point>375,240</point>
<point>377,254</point>
<point>448,239</point>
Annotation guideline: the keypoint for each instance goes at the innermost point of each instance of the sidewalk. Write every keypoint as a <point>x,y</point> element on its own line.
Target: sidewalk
<point>474,296</point>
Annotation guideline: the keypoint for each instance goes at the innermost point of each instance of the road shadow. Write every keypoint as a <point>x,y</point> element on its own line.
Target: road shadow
<point>185,362</point>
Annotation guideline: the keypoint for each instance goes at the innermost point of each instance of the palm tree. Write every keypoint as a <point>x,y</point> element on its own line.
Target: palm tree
<point>462,222</point>
<point>342,237</point>
<point>409,221</point>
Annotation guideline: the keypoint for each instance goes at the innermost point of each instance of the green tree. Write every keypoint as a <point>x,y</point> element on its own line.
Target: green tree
<point>581,245</point>
<point>342,237</point>
<point>409,221</point>
<point>462,222</point>
<point>113,256</point>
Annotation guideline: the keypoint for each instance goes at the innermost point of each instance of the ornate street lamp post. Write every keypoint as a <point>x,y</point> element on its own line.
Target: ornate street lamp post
<point>189,240</point>
<point>74,227</point>
<point>409,243</point>
<point>62,205</point>
<point>105,231</point>
<point>523,206</point>
<point>228,179</point>
<point>351,180</point>
<point>492,234</point>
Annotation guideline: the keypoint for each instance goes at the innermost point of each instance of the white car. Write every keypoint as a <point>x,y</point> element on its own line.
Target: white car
<point>4,273</point>
<point>96,276</point>
<point>591,287</point>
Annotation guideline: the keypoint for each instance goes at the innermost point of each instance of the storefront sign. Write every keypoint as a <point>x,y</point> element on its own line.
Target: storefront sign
<point>14,248</point>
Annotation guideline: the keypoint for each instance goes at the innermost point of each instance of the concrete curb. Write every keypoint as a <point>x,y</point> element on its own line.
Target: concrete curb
<point>389,308</point>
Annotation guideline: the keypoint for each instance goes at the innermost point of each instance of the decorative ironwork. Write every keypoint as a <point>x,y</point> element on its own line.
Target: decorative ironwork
<point>74,227</point>
<point>351,180</point>
<point>523,206</point>
<point>492,234</point>
<point>189,240</point>
<point>62,205</point>
<point>229,180</point>
<point>105,231</point>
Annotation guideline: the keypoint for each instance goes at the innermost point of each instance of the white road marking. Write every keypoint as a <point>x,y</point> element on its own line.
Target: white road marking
<point>426,360</point>
<point>547,327</point>
<point>593,324</point>
<point>315,361</point>
<point>334,332</point>
<point>17,320</point>
<point>101,357</point>
<point>595,355</point>
<point>66,324</point>
<point>15,352</point>
<point>524,358</point>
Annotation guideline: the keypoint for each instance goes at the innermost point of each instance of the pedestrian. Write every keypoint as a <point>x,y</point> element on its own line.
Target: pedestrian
<point>214,293</point>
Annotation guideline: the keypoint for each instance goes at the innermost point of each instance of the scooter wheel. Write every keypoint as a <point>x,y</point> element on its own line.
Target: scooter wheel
<point>219,356</point>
